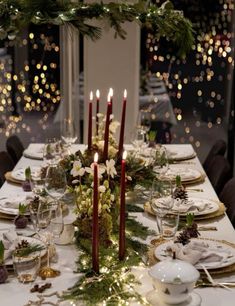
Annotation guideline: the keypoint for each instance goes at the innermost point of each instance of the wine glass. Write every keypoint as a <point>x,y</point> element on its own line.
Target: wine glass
<point>144,120</point>
<point>160,160</point>
<point>138,137</point>
<point>51,151</point>
<point>55,186</point>
<point>161,201</point>
<point>68,131</point>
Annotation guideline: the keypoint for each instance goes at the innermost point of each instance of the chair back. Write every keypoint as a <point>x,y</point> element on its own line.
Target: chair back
<point>219,172</point>
<point>14,147</point>
<point>227,196</point>
<point>219,148</point>
<point>6,164</point>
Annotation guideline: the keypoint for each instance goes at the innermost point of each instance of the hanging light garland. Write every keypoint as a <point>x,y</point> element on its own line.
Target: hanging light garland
<point>163,20</point>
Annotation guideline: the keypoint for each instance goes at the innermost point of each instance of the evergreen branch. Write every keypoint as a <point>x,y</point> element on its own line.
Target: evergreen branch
<point>164,21</point>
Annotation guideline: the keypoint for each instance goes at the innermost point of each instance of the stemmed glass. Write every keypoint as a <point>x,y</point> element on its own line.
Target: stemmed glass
<point>68,132</point>
<point>55,186</point>
<point>161,201</point>
<point>51,151</point>
<point>160,160</point>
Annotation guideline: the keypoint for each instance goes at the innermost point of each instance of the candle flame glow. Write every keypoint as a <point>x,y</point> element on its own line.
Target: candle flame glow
<point>96,157</point>
<point>125,93</point>
<point>124,155</point>
<point>109,98</point>
<point>97,94</point>
<point>111,92</point>
<point>91,96</point>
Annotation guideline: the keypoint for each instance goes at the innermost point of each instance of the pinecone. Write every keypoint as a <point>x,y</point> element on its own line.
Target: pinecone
<point>192,230</point>
<point>183,238</point>
<point>22,245</point>
<point>180,192</point>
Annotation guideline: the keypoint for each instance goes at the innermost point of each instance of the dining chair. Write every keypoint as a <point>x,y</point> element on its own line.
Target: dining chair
<point>6,164</point>
<point>227,196</point>
<point>14,147</point>
<point>219,148</point>
<point>219,172</point>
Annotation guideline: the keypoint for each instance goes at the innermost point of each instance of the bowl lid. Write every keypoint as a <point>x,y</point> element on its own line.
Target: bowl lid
<point>174,271</point>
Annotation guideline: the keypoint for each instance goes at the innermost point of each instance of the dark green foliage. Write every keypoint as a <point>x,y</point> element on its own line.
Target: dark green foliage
<point>164,21</point>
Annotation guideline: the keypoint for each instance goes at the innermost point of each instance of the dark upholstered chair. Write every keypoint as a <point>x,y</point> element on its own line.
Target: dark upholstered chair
<point>227,196</point>
<point>219,148</point>
<point>219,172</point>
<point>14,147</point>
<point>6,164</point>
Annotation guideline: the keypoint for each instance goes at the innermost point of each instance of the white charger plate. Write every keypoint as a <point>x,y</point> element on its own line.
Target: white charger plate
<point>211,206</point>
<point>213,245</point>
<point>31,240</point>
<point>10,204</point>
<point>180,153</point>
<point>19,174</point>
<point>187,174</point>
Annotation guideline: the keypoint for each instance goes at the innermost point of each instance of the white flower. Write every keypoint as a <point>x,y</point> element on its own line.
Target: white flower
<point>113,126</point>
<point>90,170</point>
<point>112,198</point>
<point>75,181</point>
<point>110,167</point>
<point>129,178</point>
<point>77,169</point>
<point>102,188</point>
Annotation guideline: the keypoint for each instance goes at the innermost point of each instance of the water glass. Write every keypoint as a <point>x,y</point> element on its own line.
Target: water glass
<point>169,225</point>
<point>26,268</point>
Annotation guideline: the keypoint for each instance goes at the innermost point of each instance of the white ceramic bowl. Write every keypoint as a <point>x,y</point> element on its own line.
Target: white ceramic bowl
<point>174,280</point>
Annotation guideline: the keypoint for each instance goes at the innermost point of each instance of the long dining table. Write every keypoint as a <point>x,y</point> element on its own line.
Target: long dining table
<point>14,293</point>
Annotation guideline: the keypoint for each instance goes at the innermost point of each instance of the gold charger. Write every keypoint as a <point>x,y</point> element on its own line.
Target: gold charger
<point>220,212</point>
<point>10,179</point>
<point>152,260</point>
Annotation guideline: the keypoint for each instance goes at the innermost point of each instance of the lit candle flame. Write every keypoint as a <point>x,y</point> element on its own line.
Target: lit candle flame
<point>124,155</point>
<point>97,94</point>
<point>111,92</point>
<point>91,96</point>
<point>125,93</point>
<point>109,98</point>
<point>96,157</point>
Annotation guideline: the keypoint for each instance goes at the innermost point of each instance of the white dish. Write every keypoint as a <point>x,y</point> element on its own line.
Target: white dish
<point>154,300</point>
<point>180,153</point>
<point>213,246</point>
<point>19,174</point>
<point>10,205</point>
<point>31,240</point>
<point>187,174</point>
<point>198,206</point>
<point>38,155</point>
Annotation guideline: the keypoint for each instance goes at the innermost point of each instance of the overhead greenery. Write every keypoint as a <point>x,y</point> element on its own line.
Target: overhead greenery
<point>163,21</point>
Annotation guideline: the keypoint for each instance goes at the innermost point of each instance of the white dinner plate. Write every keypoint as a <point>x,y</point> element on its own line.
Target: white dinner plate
<point>223,249</point>
<point>180,153</point>
<point>187,174</point>
<point>10,204</point>
<point>19,174</point>
<point>31,240</point>
<point>198,206</point>
<point>33,154</point>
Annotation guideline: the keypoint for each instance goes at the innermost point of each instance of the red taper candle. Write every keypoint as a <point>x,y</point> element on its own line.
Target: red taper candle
<point>122,225</point>
<point>106,132</point>
<point>95,219</point>
<point>97,110</point>
<point>122,129</point>
<point>111,98</point>
<point>89,140</point>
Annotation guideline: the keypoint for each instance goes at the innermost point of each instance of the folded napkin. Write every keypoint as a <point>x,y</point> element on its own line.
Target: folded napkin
<point>13,202</point>
<point>197,252</point>
<point>190,206</point>
<point>10,241</point>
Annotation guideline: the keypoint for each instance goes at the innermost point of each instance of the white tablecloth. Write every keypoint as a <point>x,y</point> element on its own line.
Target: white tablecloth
<point>14,293</point>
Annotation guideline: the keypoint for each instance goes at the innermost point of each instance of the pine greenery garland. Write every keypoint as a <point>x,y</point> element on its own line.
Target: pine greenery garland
<point>115,284</point>
<point>164,21</point>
